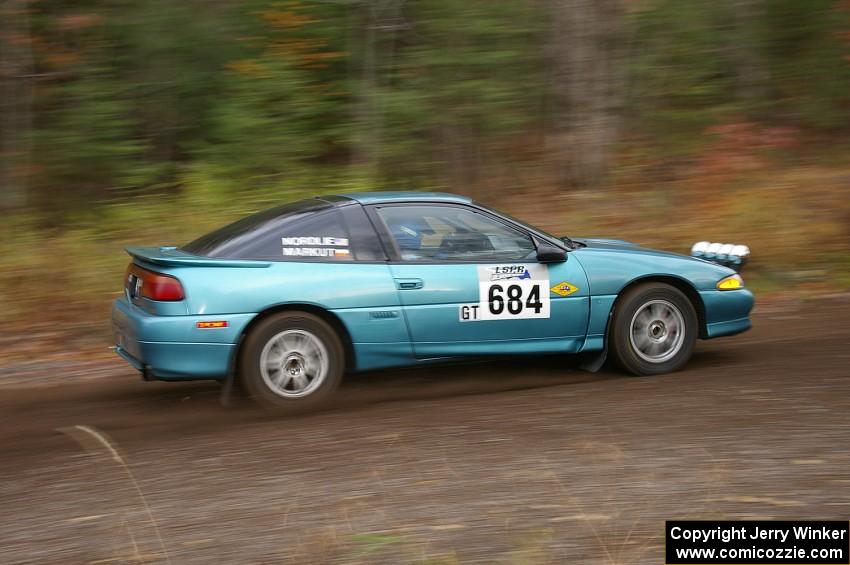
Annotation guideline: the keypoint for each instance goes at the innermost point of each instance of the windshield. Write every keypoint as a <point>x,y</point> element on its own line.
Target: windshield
<point>232,238</point>
<point>534,229</point>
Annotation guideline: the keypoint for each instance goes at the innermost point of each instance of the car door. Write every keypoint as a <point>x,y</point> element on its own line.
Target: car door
<point>470,284</point>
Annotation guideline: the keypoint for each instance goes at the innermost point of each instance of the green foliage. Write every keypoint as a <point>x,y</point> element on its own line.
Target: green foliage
<point>281,111</point>
<point>427,93</point>
<point>680,79</point>
<point>459,89</point>
<point>393,93</point>
<point>94,142</point>
<point>126,92</point>
<point>152,122</point>
<point>808,53</point>
<point>265,125</point>
<point>696,64</point>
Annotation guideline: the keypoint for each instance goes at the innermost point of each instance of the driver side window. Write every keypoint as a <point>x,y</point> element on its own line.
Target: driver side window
<point>448,233</point>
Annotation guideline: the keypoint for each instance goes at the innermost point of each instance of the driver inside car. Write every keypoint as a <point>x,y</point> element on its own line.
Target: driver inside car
<point>408,235</point>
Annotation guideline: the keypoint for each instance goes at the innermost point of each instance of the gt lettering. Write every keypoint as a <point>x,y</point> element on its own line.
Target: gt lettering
<point>468,312</point>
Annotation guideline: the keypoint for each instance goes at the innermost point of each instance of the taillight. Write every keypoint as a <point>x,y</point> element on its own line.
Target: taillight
<point>140,282</point>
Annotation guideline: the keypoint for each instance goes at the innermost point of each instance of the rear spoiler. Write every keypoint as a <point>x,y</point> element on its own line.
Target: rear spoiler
<point>173,257</point>
<point>726,254</point>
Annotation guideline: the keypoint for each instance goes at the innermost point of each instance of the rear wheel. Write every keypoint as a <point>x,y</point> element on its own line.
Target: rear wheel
<point>653,330</point>
<point>292,361</point>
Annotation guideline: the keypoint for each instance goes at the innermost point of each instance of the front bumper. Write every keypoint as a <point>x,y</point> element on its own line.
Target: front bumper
<point>727,312</point>
<point>172,347</point>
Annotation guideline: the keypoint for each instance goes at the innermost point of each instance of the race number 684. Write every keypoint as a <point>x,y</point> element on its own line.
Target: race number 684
<point>513,299</point>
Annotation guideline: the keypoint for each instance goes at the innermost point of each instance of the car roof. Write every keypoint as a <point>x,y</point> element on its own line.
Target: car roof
<point>404,196</point>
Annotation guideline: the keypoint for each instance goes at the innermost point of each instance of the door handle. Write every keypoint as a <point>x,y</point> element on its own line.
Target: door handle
<point>409,284</point>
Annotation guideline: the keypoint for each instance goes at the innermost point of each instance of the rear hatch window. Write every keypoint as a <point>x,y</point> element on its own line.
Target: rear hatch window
<point>278,234</point>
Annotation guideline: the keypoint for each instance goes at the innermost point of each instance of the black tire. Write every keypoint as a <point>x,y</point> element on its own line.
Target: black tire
<point>297,326</point>
<point>659,355</point>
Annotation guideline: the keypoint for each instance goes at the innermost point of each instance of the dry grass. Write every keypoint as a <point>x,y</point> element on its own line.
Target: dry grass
<point>796,221</point>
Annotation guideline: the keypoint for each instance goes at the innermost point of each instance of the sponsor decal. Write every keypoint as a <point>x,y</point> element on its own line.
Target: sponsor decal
<point>564,288</point>
<point>509,292</point>
<point>507,272</point>
<point>314,240</point>
<point>324,246</point>
<point>315,252</point>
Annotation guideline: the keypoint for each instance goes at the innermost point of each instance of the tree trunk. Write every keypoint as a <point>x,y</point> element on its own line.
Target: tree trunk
<point>364,142</point>
<point>380,24</point>
<point>751,72</point>
<point>16,69</point>
<point>587,80</point>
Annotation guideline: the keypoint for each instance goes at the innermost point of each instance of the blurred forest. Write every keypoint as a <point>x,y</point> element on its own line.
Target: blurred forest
<point>663,121</point>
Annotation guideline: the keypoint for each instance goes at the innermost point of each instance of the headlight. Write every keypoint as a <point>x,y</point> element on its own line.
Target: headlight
<point>732,282</point>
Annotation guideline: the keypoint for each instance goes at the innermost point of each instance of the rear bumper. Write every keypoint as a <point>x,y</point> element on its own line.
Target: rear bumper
<point>180,361</point>
<point>172,347</point>
<point>727,312</point>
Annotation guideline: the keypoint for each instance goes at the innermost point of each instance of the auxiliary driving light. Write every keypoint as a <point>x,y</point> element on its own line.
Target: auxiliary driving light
<point>726,254</point>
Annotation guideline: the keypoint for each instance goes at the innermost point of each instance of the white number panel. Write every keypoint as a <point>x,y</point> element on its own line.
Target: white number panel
<point>513,292</point>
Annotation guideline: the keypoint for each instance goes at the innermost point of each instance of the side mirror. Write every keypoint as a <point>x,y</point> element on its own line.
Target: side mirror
<point>548,253</point>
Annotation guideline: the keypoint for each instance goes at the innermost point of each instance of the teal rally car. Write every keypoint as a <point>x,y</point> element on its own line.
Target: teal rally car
<point>289,299</point>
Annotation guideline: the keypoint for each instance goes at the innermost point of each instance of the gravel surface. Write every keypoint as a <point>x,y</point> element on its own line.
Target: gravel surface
<point>519,461</point>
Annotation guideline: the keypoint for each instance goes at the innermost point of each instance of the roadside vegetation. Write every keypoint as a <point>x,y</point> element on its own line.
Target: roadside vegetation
<point>661,122</point>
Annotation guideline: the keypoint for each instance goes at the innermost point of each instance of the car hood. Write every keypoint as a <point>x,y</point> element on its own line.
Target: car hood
<point>621,245</point>
<point>612,263</point>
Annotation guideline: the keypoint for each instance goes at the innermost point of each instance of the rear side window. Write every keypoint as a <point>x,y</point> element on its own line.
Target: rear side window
<point>308,229</point>
<point>321,237</point>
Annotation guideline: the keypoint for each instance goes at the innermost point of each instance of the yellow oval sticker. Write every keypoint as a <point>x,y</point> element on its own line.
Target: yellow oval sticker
<point>564,289</point>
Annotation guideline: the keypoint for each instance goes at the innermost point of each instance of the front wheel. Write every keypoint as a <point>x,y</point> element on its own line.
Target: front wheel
<point>653,330</point>
<point>292,361</point>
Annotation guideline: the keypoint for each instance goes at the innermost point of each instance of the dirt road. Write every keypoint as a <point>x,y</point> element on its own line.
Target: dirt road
<point>502,462</point>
